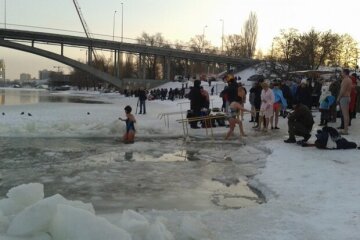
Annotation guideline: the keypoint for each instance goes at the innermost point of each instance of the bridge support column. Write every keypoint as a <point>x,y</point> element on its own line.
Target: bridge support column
<point>143,67</point>
<point>115,64</point>
<point>186,68</point>
<point>90,52</point>
<point>228,67</point>
<point>62,49</point>
<point>119,65</point>
<point>167,69</point>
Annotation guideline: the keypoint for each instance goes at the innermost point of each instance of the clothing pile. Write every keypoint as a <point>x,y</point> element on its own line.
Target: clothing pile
<point>329,138</point>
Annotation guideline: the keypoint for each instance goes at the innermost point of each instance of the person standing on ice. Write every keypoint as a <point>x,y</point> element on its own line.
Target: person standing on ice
<point>197,102</point>
<point>235,109</point>
<point>279,104</point>
<point>267,102</point>
<point>344,99</point>
<point>130,120</point>
<point>142,99</point>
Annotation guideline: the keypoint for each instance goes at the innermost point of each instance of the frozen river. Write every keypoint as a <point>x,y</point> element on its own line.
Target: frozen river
<point>116,176</point>
<point>154,173</point>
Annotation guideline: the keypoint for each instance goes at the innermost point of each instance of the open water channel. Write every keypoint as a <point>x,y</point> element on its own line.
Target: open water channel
<point>153,173</point>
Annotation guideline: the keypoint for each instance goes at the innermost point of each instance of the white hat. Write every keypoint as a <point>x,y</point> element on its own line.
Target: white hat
<point>303,81</point>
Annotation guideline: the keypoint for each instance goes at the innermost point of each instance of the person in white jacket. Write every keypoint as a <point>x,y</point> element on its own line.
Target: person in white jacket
<point>266,108</point>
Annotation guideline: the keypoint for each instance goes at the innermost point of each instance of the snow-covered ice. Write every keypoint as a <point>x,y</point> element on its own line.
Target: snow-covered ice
<point>310,193</point>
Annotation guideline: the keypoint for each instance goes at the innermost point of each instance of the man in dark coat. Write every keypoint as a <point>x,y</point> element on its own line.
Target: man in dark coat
<point>300,123</point>
<point>304,93</point>
<point>197,102</point>
<point>142,99</point>
<point>256,90</point>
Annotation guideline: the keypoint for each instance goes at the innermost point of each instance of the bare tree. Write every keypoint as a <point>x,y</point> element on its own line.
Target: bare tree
<point>235,46</point>
<point>250,34</point>
<point>153,69</point>
<point>199,44</point>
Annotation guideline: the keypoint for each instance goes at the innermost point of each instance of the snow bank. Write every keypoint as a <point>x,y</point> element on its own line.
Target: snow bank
<point>33,217</point>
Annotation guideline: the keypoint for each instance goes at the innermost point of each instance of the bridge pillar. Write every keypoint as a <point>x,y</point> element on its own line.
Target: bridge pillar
<point>62,49</point>
<point>115,64</point>
<point>228,67</point>
<point>90,52</point>
<point>119,64</point>
<point>186,68</point>
<point>167,69</point>
<point>143,67</point>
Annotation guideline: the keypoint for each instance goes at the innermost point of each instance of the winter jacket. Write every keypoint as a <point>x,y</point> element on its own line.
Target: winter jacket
<point>302,114</point>
<point>279,98</point>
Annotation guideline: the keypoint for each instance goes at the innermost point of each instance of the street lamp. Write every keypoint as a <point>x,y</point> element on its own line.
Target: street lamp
<point>114,24</point>
<point>203,40</point>
<point>204,31</point>
<point>122,21</point>
<point>222,35</point>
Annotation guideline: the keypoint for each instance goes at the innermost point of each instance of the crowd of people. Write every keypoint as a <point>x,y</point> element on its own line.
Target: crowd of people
<point>269,101</point>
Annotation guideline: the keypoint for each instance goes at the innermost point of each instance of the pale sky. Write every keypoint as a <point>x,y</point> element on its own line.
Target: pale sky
<point>176,20</point>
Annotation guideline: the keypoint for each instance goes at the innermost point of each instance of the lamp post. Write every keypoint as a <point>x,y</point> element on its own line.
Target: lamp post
<point>203,40</point>
<point>114,25</point>
<point>204,32</point>
<point>222,35</point>
<point>122,21</point>
<point>114,29</point>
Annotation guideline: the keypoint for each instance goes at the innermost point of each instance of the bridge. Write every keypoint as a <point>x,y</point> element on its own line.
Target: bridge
<point>14,39</point>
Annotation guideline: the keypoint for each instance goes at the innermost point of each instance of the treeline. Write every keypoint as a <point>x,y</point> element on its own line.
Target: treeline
<point>292,51</point>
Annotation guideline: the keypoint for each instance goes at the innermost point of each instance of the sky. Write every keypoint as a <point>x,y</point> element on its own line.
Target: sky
<point>175,20</point>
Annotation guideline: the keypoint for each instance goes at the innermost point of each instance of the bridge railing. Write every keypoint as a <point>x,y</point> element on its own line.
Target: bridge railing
<point>213,50</point>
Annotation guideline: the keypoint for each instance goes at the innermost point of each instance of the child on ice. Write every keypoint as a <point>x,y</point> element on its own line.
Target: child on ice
<point>326,100</point>
<point>130,120</point>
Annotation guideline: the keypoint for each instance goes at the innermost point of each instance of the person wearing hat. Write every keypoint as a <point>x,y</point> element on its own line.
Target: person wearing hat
<point>197,102</point>
<point>300,123</point>
<point>303,93</point>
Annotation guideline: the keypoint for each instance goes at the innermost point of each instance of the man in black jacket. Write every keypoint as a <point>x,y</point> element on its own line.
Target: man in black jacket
<point>197,102</point>
<point>300,123</point>
<point>142,99</point>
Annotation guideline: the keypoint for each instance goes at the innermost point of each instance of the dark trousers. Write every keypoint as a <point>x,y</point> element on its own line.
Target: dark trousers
<point>298,129</point>
<point>324,117</point>
<point>332,113</point>
<point>142,107</point>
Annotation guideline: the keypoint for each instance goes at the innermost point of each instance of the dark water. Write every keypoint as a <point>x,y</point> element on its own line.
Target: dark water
<point>161,174</point>
<point>20,97</point>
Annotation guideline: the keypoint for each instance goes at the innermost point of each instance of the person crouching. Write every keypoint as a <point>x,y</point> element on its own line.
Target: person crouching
<point>300,123</point>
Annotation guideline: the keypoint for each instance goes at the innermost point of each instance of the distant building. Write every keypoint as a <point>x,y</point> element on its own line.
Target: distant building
<point>44,74</point>
<point>25,77</point>
<point>2,72</point>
